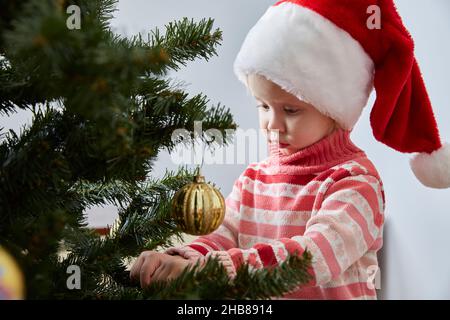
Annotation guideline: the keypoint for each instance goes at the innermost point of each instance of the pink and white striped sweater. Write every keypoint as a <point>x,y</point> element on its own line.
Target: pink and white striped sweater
<point>327,198</point>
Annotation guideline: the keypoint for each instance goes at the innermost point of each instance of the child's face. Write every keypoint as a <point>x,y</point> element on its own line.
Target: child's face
<point>299,124</point>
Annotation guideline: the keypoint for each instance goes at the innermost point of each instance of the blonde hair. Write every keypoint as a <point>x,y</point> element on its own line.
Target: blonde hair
<point>247,86</point>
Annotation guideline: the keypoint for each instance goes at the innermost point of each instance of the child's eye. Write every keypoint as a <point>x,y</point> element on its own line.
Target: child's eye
<point>287,110</point>
<point>263,106</point>
<point>292,111</point>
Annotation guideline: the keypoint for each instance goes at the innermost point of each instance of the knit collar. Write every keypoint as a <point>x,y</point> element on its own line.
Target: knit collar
<point>334,149</point>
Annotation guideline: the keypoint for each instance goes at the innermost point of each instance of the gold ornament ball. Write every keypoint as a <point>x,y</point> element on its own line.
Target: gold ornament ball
<point>198,208</point>
<point>11,278</point>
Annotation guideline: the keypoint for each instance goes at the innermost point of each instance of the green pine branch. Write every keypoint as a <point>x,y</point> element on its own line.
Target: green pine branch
<point>212,282</point>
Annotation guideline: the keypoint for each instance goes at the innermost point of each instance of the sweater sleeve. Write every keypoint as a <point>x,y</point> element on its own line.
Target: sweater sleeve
<point>222,239</point>
<point>343,228</point>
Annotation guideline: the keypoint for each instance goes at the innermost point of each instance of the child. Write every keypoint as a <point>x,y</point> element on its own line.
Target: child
<point>312,66</point>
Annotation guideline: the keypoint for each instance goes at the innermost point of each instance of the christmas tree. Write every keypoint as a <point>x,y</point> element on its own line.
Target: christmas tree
<point>103,108</point>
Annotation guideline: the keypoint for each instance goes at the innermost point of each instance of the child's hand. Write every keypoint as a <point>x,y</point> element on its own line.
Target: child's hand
<point>156,266</point>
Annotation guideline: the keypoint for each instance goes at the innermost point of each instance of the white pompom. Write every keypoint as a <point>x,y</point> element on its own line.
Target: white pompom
<point>433,170</point>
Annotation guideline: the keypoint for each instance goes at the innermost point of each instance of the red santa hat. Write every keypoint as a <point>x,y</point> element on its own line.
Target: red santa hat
<point>332,53</point>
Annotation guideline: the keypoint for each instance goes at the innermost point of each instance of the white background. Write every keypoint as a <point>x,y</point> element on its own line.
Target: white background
<point>415,260</point>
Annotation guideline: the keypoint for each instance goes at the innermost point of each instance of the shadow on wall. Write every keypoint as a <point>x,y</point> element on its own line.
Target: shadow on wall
<point>381,293</point>
<point>396,282</point>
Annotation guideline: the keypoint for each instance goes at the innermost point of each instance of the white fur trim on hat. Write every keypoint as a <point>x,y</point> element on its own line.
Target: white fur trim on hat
<point>433,170</point>
<point>311,58</point>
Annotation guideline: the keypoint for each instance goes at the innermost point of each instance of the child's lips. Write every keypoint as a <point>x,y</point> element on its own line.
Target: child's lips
<point>280,144</point>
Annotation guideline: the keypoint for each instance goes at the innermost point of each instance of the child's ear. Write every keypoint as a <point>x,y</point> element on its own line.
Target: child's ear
<point>337,126</point>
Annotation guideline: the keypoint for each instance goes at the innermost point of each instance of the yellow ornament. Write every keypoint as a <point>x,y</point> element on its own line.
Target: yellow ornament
<point>198,208</point>
<point>11,278</point>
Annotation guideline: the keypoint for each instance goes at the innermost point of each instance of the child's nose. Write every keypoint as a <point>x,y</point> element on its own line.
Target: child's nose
<point>276,122</point>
